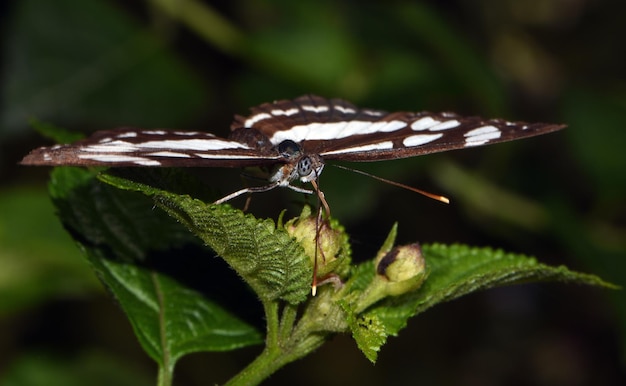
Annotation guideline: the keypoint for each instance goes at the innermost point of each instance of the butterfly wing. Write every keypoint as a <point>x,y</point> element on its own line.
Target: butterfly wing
<point>336,129</point>
<point>157,148</point>
<point>332,128</point>
<point>413,134</point>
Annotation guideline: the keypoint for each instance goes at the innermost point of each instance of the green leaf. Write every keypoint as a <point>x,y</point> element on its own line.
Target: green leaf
<point>169,318</point>
<point>369,333</point>
<point>273,264</point>
<point>100,215</point>
<point>123,236</point>
<point>454,271</point>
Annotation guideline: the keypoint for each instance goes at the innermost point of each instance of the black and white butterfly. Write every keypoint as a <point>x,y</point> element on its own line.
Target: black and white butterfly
<point>292,137</point>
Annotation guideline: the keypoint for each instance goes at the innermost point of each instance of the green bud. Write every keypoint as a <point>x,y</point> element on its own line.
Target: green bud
<point>403,268</point>
<point>328,245</point>
<point>398,271</point>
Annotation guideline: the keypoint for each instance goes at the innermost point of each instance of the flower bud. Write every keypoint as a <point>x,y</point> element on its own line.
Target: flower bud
<point>398,271</point>
<point>403,268</point>
<point>327,245</point>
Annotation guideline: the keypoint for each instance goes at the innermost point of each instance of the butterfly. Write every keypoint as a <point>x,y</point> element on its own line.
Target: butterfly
<point>293,139</point>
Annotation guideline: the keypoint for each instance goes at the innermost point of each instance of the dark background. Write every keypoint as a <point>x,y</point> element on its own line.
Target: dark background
<point>97,64</point>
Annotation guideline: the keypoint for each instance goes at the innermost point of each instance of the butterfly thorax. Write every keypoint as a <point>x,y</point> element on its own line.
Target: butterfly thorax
<point>298,164</point>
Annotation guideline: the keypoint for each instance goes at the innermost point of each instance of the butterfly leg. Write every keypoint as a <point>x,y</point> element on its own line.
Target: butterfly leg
<point>251,189</point>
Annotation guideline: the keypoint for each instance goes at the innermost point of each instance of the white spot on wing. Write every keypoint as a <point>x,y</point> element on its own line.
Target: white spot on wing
<point>388,126</point>
<point>420,139</point>
<point>345,110</point>
<point>169,154</point>
<point>445,125</point>
<point>285,112</point>
<point>481,135</point>
<point>155,132</point>
<point>148,162</point>
<point>333,130</point>
<point>255,118</point>
<point>373,113</point>
<point>111,147</point>
<point>128,134</point>
<point>373,146</point>
<point>192,144</point>
<point>230,156</point>
<point>424,123</point>
<point>315,109</point>
<point>192,133</point>
<point>116,158</point>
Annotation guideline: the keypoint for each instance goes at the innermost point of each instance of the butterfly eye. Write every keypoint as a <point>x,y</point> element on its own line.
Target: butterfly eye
<point>289,149</point>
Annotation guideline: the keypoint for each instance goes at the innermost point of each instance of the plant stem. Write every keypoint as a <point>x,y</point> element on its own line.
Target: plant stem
<point>262,367</point>
<point>165,376</point>
<point>287,321</point>
<point>283,344</point>
<point>273,358</point>
<point>271,318</point>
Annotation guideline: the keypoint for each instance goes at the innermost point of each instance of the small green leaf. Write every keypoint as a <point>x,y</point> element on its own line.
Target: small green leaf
<point>121,234</point>
<point>369,333</point>
<point>389,242</point>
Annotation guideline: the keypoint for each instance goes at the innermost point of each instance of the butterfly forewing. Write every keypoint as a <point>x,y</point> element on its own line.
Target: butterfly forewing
<point>426,133</point>
<point>158,148</point>
<point>337,130</point>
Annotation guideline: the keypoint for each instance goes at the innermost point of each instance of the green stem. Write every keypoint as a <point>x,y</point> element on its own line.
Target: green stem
<point>262,367</point>
<point>284,344</point>
<point>274,358</point>
<point>165,376</point>
<point>287,321</point>
<point>271,318</point>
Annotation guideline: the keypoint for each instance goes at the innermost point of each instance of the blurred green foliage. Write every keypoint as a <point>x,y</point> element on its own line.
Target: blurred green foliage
<point>98,64</point>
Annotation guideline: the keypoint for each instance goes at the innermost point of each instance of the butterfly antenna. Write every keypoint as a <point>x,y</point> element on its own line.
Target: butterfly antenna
<point>443,199</point>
